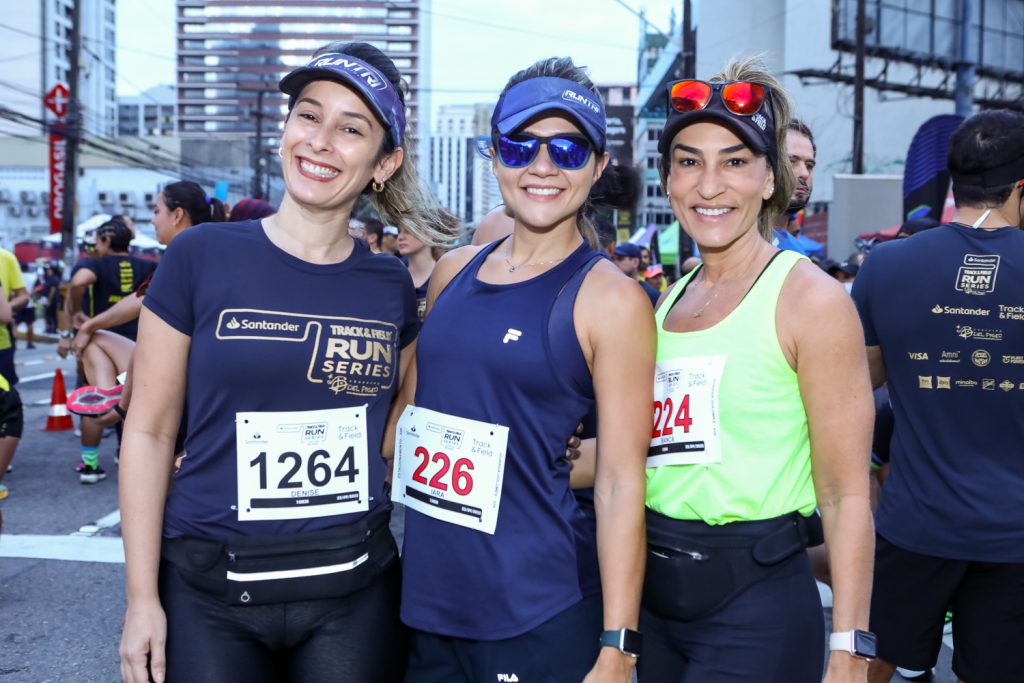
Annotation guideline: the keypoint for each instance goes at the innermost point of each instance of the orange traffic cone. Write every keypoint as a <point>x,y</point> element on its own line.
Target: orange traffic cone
<point>59,419</point>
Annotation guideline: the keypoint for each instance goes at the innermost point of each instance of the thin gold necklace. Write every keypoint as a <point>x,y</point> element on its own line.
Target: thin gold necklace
<point>711,298</point>
<point>513,268</point>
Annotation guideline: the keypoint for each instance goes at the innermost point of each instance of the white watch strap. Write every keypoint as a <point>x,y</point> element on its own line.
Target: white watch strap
<point>841,641</point>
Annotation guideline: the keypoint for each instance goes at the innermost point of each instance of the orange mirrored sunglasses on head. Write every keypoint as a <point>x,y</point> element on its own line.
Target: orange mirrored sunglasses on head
<point>743,98</point>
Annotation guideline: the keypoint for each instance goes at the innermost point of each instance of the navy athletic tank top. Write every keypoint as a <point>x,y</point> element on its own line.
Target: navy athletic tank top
<point>506,354</point>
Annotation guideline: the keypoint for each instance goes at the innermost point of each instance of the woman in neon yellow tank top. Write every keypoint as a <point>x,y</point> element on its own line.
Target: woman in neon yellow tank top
<point>762,412</point>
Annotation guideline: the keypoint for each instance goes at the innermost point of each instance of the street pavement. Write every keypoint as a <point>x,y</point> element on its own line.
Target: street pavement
<point>61,564</point>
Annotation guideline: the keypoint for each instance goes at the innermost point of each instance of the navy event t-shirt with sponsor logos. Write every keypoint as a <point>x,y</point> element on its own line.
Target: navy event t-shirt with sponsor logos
<point>946,306</point>
<point>270,332</point>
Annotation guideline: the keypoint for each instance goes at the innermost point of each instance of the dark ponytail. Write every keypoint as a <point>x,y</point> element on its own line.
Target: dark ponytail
<point>191,198</point>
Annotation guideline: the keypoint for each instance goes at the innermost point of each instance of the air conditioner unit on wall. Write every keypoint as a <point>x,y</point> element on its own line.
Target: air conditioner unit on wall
<point>15,209</point>
<point>150,198</point>
<point>5,195</point>
<point>104,198</point>
<point>33,211</point>
<point>126,198</point>
<point>28,197</point>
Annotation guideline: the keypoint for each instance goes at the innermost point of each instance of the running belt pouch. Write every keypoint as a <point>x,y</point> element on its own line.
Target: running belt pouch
<point>691,574</point>
<point>269,570</point>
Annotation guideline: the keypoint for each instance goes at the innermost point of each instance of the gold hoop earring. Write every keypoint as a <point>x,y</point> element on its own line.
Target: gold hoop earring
<point>377,186</point>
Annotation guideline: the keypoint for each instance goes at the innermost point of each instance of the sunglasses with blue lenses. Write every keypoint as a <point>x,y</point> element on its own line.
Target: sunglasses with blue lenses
<point>568,151</point>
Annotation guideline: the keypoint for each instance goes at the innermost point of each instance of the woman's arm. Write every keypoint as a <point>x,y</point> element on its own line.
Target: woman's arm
<point>124,311</point>
<point>146,457</point>
<point>621,350</point>
<point>827,344</point>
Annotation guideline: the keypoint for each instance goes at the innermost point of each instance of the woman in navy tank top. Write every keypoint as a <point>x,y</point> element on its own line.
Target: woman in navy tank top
<point>504,577</point>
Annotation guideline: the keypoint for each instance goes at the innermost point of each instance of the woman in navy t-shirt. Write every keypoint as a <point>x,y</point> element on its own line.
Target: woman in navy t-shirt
<point>501,579</point>
<point>270,557</point>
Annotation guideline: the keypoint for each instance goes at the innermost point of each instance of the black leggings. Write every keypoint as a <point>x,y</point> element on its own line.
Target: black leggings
<point>355,639</point>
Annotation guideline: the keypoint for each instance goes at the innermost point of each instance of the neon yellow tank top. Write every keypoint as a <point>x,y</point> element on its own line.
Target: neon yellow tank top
<point>764,469</point>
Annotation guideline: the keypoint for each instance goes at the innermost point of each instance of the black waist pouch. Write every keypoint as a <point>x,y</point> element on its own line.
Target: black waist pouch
<point>265,570</point>
<point>694,569</point>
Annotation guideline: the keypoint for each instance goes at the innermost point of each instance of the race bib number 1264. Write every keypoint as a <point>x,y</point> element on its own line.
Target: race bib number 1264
<point>299,464</point>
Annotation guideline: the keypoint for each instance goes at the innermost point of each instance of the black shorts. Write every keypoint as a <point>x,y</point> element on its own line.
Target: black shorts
<point>26,315</point>
<point>912,593</point>
<point>563,648</point>
<point>12,415</point>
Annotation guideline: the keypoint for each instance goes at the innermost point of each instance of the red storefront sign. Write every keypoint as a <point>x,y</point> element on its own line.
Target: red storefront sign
<point>57,102</point>
<point>58,155</point>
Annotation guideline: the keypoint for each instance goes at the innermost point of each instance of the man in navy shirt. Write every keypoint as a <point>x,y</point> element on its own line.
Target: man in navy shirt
<point>627,258</point>
<point>943,316</point>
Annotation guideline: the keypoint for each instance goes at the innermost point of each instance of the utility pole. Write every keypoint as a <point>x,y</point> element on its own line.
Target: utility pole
<point>965,65</point>
<point>689,42</point>
<point>72,134</point>
<point>258,159</point>
<point>858,93</point>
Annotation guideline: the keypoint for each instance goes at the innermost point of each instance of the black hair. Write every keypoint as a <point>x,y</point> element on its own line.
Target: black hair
<point>191,198</point>
<point>374,226</point>
<point>985,141</point>
<point>798,126</point>
<point>118,232</point>
<point>564,67</point>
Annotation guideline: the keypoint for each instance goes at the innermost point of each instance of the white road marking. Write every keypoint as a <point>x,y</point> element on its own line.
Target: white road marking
<point>83,545</point>
<point>74,548</point>
<point>35,378</point>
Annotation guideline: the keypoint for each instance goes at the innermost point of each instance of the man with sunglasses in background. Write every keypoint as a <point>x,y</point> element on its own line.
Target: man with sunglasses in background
<point>109,277</point>
<point>950,524</point>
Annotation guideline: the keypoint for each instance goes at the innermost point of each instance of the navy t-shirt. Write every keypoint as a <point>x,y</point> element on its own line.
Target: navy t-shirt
<point>946,306</point>
<point>270,332</point>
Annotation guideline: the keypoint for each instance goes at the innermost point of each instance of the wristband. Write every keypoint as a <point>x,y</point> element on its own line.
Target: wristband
<point>65,334</point>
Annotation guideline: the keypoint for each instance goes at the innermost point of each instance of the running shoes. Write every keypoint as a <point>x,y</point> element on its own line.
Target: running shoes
<point>91,475</point>
<point>94,401</point>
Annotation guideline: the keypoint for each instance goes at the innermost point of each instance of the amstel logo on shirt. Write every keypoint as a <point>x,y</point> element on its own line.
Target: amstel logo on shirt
<point>350,355</point>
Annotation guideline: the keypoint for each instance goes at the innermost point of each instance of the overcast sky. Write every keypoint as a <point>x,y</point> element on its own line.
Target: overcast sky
<point>476,45</point>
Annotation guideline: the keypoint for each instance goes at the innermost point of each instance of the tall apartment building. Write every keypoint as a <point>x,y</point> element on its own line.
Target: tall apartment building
<point>35,46</point>
<point>460,176</point>
<point>230,50</point>
<point>151,113</point>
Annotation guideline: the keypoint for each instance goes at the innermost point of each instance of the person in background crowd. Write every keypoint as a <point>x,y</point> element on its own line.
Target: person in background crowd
<point>655,277</point>
<point>517,344</point>
<point>627,257</point>
<point>748,436</point>
<point>949,348</point>
<point>230,353</point>
<point>109,277</point>
<point>916,225</point>
<point>52,294</point>
<point>420,259</point>
<point>645,258</point>
<point>248,209</point>
<point>374,233</point>
<point>12,418</point>
<point>802,157</point>
<point>389,240</point>
<point>493,226</point>
<point>104,354</point>
<point>689,264</point>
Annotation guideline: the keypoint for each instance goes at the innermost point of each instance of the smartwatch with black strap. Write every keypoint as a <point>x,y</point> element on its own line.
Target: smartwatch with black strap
<point>624,640</point>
